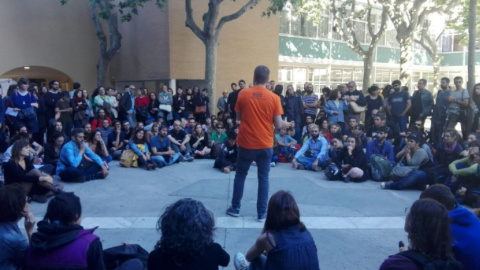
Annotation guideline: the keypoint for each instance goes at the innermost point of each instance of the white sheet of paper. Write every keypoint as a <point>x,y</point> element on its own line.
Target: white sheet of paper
<point>12,112</point>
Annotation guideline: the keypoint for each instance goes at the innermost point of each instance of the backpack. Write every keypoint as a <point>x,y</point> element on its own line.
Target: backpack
<point>114,257</point>
<point>380,167</point>
<point>428,264</point>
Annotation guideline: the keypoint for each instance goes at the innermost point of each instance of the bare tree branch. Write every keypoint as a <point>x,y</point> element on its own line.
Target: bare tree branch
<point>235,15</point>
<point>190,22</point>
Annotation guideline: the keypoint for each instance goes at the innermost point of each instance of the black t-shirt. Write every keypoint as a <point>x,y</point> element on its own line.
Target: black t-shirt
<point>213,257</point>
<point>180,136</point>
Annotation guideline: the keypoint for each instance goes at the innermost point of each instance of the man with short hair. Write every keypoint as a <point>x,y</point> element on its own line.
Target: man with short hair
<point>399,104</point>
<point>180,141</point>
<point>272,85</point>
<point>161,150</point>
<point>222,101</point>
<point>457,102</point>
<point>354,96</point>
<point>439,117</point>
<point>293,110</point>
<point>314,152</point>
<point>50,99</point>
<point>227,159</point>
<point>127,104</point>
<point>105,130</point>
<point>74,167</point>
<point>232,98</point>
<point>256,109</point>
<point>190,127</point>
<point>379,120</point>
<point>65,110</point>
<point>310,102</point>
<point>112,100</point>
<point>76,86</point>
<point>380,156</point>
<point>422,103</point>
<point>128,130</point>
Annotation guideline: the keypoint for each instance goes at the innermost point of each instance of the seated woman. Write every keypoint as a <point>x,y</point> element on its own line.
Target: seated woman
<point>153,132</point>
<point>98,146</point>
<point>20,170</point>
<point>447,152</point>
<point>354,167</point>
<point>52,150</point>
<point>335,154</point>
<point>468,191</point>
<point>187,239</point>
<point>419,168</point>
<point>428,229</point>
<point>61,242</point>
<point>15,206</point>
<point>285,240</point>
<point>199,142</point>
<point>139,145</point>
<point>116,140</point>
<point>286,145</point>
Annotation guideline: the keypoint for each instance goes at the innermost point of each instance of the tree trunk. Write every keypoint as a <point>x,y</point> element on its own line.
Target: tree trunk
<point>367,70</point>
<point>406,59</point>
<point>211,45</point>
<point>102,70</point>
<point>472,34</point>
<point>436,71</point>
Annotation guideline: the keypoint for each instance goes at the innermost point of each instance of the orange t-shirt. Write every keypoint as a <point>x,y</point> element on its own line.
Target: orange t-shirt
<point>258,106</point>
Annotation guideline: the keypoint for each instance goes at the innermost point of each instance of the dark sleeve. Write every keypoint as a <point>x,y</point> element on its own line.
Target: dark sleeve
<point>361,99</point>
<point>95,256</point>
<point>222,255</point>
<point>49,154</point>
<point>15,174</point>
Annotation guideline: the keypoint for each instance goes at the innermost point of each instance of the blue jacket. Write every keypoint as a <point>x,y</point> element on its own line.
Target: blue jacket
<point>319,148</point>
<point>134,148</point>
<point>70,156</point>
<point>331,107</point>
<point>465,228</point>
<point>13,246</point>
<point>386,150</point>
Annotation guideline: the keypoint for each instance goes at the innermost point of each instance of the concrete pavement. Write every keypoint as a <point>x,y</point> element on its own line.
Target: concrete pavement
<point>355,225</point>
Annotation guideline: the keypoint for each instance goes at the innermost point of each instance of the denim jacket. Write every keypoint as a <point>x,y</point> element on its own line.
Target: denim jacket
<point>427,102</point>
<point>12,245</point>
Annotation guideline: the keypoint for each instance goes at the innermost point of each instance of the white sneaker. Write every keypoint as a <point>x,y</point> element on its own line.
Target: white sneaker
<point>240,262</point>
<point>254,163</point>
<point>272,164</point>
<point>382,185</point>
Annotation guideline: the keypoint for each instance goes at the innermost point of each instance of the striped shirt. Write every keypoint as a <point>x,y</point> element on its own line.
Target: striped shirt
<point>310,100</point>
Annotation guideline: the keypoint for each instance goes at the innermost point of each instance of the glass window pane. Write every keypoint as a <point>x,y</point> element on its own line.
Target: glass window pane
<point>285,22</point>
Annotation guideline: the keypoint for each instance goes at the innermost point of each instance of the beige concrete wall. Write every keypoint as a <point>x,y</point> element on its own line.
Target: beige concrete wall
<point>249,41</point>
<point>144,53</point>
<point>45,33</point>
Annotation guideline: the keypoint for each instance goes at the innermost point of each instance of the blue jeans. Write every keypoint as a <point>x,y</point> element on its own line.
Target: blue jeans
<point>416,179</point>
<point>454,186</point>
<point>308,161</point>
<point>245,157</point>
<point>129,118</point>
<point>401,122</point>
<point>188,149</point>
<point>160,160</point>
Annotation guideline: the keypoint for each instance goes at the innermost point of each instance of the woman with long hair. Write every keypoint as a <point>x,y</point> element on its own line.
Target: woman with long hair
<point>153,132</point>
<point>52,149</point>
<point>142,102</point>
<point>166,100</point>
<point>187,229</point>
<point>285,239</point>
<point>374,102</point>
<point>179,105</point>
<point>19,169</point>
<point>61,242</point>
<point>428,228</point>
<point>80,107</point>
<point>25,104</point>
<point>139,145</point>
<point>190,100</point>
<point>98,146</point>
<point>153,104</point>
<point>354,167</point>
<point>336,108</point>
<point>199,142</point>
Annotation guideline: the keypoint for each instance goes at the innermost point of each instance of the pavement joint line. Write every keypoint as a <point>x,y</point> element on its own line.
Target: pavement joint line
<point>249,222</point>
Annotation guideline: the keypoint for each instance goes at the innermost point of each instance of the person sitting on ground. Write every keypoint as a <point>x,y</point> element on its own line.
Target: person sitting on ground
<point>61,242</point>
<point>354,167</point>
<point>218,136</point>
<point>379,120</point>
<point>285,242</point>
<point>116,141</point>
<point>87,129</point>
<point>305,131</point>
<point>463,170</point>
<point>359,132</point>
<point>19,169</point>
<point>98,146</point>
<point>227,159</point>
<point>335,129</point>
<point>52,150</point>
<point>35,148</point>
<point>471,137</point>
<point>98,121</point>
<point>105,130</point>
<point>447,152</point>
<point>56,126</point>
<point>180,141</point>
<point>199,142</point>
<point>428,228</point>
<point>464,226</point>
<point>154,131</point>
<point>187,229</point>
<point>335,154</point>
<point>161,149</point>
<point>380,156</point>
<point>352,124</point>
<point>468,192</point>
<point>286,145</point>
<point>15,206</point>
<point>139,145</point>
<point>74,167</point>
<point>190,126</point>
<point>313,152</point>
<point>128,130</point>
<point>418,170</point>
<point>140,125</point>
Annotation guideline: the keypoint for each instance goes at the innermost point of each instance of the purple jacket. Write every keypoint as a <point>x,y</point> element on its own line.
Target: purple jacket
<point>399,262</point>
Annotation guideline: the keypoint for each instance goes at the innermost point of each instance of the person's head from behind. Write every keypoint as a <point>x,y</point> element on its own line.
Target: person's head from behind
<point>441,194</point>
<point>14,203</point>
<point>64,209</point>
<point>187,228</point>
<point>261,75</point>
<point>428,228</point>
<point>282,212</point>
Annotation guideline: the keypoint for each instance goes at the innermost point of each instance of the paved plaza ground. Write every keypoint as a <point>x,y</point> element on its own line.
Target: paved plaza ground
<point>355,225</point>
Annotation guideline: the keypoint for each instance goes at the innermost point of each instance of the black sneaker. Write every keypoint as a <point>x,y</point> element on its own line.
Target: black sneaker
<point>233,212</point>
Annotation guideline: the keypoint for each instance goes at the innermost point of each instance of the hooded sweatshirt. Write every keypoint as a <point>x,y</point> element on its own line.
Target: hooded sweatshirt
<point>465,228</point>
<point>56,246</point>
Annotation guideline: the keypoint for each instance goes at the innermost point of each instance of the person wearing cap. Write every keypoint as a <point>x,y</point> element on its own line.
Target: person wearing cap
<point>222,101</point>
<point>422,167</point>
<point>63,112</point>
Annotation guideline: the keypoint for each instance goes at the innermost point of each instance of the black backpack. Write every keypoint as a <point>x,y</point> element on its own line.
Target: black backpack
<point>428,264</point>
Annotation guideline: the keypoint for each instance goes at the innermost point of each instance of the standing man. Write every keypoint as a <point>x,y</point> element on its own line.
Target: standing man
<point>50,99</point>
<point>65,110</point>
<point>354,96</point>
<point>127,104</point>
<point>439,117</point>
<point>422,103</point>
<point>232,99</point>
<point>457,102</point>
<point>222,102</point>
<point>256,108</point>
<point>399,104</point>
<point>310,102</point>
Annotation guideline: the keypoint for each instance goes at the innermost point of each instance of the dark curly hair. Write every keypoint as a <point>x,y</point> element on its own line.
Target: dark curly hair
<point>12,200</point>
<point>187,229</point>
